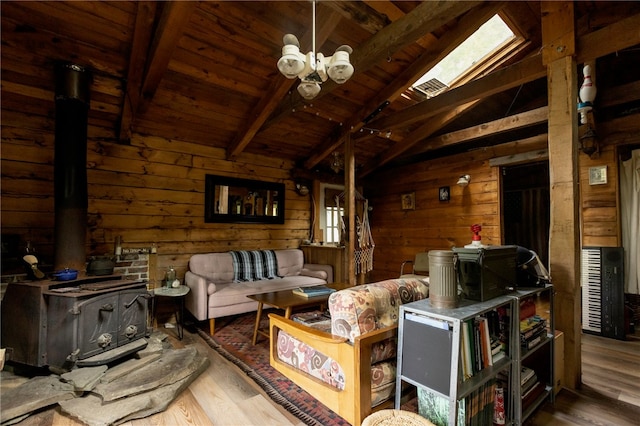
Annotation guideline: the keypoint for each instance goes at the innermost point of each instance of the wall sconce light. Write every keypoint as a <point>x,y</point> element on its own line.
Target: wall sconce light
<point>464,180</point>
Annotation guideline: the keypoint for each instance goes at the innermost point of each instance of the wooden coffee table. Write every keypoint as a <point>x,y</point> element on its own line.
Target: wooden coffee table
<point>287,301</point>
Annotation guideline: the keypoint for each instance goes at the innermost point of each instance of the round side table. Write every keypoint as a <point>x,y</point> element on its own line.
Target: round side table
<point>177,294</point>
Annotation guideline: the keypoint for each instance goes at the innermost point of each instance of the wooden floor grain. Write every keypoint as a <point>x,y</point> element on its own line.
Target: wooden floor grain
<point>224,395</point>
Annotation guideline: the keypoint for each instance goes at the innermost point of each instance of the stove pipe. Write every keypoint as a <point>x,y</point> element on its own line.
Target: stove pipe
<point>70,166</point>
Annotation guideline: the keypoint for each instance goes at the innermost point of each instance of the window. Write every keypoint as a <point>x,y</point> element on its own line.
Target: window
<point>492,36</point>
<point>330,213</point>
<point>332,227</point>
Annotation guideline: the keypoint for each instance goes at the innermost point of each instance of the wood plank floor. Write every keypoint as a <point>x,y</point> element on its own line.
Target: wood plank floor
<point>223,395</point>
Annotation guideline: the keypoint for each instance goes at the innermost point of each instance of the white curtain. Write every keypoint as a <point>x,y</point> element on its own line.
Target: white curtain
<point>630,204</point>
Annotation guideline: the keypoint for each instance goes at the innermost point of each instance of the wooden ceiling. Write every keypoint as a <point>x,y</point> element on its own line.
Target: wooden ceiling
<point>205,72</point>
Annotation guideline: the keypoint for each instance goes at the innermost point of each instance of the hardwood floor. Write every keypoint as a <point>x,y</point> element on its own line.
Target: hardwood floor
<point>223,395</point>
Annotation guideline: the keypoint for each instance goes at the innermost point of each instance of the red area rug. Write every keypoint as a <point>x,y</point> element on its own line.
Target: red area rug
<point>232,340</point>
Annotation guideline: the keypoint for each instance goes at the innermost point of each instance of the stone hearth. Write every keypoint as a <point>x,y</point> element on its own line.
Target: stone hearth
<point>134,388</point>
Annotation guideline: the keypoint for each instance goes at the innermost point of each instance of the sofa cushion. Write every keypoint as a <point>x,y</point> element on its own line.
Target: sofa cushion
<point>236,293</point>
<point>215,267</point>
<point>290,262</point>
<point>364,308</point>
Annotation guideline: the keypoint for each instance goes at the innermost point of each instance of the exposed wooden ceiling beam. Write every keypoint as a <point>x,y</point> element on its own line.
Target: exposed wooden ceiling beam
<point>425,18</point>
<point>361,14</point>
<point>425,130</point>
<point>498,81</point>
<point>467,25</point>
<point>279,88</point>
<point>495,127</point>
<point>142,32</point>
<point>608,39</point>
<point>175,16</point>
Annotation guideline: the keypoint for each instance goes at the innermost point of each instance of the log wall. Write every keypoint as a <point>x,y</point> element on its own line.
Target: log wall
<point>150,193</point>
<point>434,225</point>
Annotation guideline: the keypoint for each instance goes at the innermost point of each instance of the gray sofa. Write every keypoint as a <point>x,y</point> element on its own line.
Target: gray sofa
<point>214,293</point>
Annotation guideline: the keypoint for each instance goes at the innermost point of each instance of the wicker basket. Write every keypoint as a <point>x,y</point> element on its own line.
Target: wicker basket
<point>395,418</point>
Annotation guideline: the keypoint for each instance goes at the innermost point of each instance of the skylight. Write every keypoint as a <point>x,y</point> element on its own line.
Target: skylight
<point>463,58</point>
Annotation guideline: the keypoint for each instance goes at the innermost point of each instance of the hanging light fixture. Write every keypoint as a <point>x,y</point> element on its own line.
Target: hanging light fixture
<point>313,68</point>
<point>338,163</point>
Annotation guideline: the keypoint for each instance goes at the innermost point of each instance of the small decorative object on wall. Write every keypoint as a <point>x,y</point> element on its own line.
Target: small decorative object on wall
<point>444,193</point>
<point>409,201</point>
<point>598,175</point>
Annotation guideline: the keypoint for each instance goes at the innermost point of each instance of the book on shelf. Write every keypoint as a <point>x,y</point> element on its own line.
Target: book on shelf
<point>313,291</point>
<point>315,319</point>
<point>533,331</point>
<point>532,395</point>
<point>528,384</point>
<point>311,317</point>
<point>498,356</point>
<point>526,373</point>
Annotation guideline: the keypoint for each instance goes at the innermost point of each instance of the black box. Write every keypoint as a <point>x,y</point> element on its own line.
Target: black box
<point>488,272</point>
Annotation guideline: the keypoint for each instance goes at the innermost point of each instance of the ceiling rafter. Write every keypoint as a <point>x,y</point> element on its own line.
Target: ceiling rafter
<point>495,127</point>
<point>280,86</point>
<point>498,81</point>
<point>467,25</point>
<point>174,18</point>
<point>145,15</point>
<point>424,19</point>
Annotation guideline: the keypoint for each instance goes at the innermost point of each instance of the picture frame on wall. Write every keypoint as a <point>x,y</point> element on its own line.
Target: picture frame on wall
<point>598,175</point>
<point>408,201</point>
<point>444,193</point>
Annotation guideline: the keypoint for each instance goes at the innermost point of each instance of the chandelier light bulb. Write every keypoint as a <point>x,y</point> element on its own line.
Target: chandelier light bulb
<point>340,69</point>
<point>292,61</point>
<point>309,89</point>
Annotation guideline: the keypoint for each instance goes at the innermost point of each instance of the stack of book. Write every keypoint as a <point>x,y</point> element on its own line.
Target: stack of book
<point>532,331</point>
<point>316,319</point>
<point>533,328</point>
<point>313,291</point>
<point>530,386</point>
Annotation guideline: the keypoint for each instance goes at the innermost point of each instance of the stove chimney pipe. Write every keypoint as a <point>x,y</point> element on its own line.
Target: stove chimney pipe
<point>70,166</point>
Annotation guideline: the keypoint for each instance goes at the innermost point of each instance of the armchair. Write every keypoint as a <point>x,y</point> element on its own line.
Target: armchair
<point>420,267</point>
<point>351,369</point>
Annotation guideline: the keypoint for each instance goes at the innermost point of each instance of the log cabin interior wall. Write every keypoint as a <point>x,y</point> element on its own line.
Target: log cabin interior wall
<point>150,193</point>
<point>212,102</point>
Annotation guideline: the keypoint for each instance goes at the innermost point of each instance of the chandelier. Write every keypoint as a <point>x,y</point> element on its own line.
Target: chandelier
<point>313,68</point>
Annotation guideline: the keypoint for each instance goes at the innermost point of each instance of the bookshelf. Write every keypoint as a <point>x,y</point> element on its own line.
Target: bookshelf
<point>533,354</point>
<point>432,357</point>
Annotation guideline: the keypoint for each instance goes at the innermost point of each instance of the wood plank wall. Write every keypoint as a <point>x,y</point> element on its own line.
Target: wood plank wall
<point>435,225</point>
<point>149,192</point>
<point>153,192</point>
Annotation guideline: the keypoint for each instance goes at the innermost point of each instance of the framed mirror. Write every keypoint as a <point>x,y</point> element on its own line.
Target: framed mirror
<point>228,199</point>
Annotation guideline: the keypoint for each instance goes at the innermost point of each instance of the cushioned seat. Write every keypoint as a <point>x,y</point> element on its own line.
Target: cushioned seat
<point>352,369</point>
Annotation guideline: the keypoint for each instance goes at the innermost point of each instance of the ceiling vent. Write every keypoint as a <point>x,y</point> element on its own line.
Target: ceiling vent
<point>432,87</point>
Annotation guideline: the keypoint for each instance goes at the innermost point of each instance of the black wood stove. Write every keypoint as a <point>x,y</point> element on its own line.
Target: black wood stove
<point>74,323</point>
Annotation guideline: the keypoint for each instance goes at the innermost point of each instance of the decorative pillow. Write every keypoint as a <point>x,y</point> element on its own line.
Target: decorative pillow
<point>254,265</point>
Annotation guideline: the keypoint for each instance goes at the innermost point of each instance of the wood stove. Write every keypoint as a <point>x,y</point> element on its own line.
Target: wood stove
<point>74,323</point>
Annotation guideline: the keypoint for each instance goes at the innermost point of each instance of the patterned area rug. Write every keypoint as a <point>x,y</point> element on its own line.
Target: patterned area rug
<point>232,340</point>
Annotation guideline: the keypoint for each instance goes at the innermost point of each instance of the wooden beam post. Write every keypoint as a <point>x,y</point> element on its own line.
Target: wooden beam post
<point>350,198</point>
<point>558,35</point>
